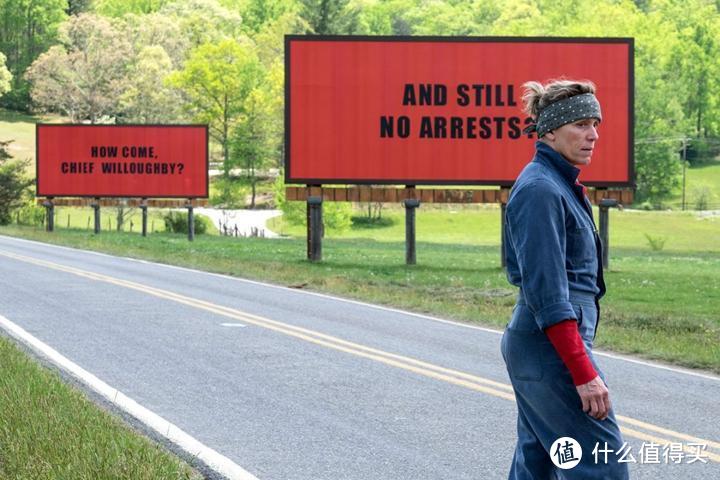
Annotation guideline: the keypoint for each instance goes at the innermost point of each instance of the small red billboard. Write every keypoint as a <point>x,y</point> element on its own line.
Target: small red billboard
<point>442,110</point>
<point>146,161</point>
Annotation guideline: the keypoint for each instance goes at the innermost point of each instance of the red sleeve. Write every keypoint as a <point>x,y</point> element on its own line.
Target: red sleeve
<point>565,337</point>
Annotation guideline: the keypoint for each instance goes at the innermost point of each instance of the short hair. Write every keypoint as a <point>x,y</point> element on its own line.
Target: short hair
<point>537,96</point>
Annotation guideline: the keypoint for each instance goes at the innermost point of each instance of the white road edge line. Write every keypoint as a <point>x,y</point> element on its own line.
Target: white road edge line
<point>614,356</point>
<point>213,459</point>
<point>237,325</point>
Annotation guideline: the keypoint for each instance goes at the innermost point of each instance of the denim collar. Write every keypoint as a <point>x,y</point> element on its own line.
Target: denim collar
<point>545,155</point>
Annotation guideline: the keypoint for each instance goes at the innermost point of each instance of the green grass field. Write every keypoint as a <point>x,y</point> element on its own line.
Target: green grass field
<point>480,225</point>
<point>49,431</point>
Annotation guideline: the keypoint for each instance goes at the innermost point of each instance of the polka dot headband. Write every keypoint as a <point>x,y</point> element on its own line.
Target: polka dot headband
<point>566,111</point>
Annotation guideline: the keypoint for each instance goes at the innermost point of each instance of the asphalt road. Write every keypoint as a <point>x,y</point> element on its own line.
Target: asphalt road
<point>293,385</point>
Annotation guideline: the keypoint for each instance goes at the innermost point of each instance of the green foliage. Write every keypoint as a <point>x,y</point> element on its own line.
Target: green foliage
<point>5,76</point>
<point>177,222</point>
<point>330,17</point>
<point>363,221</point>
<point>204,21</point>
<point>13,184</point>
<point>30,214</point>
<point>657,171</point>
<point>157,30</point>
<point>28,28</point>
<point>228,192</point>
<point>294,213</point>
<point>118,8</point>
<point>702,197</point>
<point>336,215</point>
<point>76,7</point>
<point>257,14</point>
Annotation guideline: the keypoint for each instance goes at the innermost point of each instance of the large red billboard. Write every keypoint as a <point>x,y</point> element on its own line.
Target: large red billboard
<point>442,110</point>
<point>122,160</point>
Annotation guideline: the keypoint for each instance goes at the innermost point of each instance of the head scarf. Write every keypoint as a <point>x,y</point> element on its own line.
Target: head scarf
<point>566,111</point>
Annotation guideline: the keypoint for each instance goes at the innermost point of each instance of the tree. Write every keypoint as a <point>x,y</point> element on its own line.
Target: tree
<point>27,28</point>
<point>157,29</point>
<point>5,76</point>
<point>13,183</point>
<point>249,143</point>
<point>217,79</point>
<point>84,77</point>
<point>258,138</point>
<point>330,17</point>
<point>204,21</point>
<point>148,99</point>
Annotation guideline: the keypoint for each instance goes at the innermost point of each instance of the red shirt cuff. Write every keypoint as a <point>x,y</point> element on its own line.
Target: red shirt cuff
<point>566,339</point>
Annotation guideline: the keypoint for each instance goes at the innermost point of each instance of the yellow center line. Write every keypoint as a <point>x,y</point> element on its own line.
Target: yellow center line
<point>655,428</point>
<point>455,377</point>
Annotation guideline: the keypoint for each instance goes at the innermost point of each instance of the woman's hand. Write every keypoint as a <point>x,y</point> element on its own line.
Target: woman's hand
<point>595,398</point>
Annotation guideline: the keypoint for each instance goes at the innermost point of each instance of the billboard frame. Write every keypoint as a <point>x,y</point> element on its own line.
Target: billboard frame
<point>629,41</point>
<point>184,125</point>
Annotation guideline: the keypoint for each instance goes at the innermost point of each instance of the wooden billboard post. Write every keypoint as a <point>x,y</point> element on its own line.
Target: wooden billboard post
<point>410,205</point>
<point>96,213</point>
<point>190,220</point>
<point>314,228</point>
<point>143,208</point>
<point>50,214</point>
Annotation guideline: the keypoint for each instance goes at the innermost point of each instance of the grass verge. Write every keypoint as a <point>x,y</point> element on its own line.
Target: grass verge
<point>661,304</point>
<point>49,430</point>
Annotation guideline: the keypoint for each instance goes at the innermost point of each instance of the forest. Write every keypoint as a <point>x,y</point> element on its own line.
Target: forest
<point>220,62</point>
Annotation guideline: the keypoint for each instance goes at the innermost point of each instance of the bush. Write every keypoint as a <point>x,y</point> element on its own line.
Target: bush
<point>30,214</point>
<point>656,243</point>
<point>336,215</point>
<point>363,221</point>
<point>177,222</point>
<point>702,150</point>
<point>227,193</point>
<point>702,196</point>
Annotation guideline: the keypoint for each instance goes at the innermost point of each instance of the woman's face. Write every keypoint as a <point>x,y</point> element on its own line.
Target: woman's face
<point>575,141</point>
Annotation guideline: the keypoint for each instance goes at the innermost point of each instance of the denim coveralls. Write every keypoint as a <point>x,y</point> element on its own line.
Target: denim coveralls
<point>553,254</point>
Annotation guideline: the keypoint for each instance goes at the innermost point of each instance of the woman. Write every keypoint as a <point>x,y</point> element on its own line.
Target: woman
<point>553,255</point>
